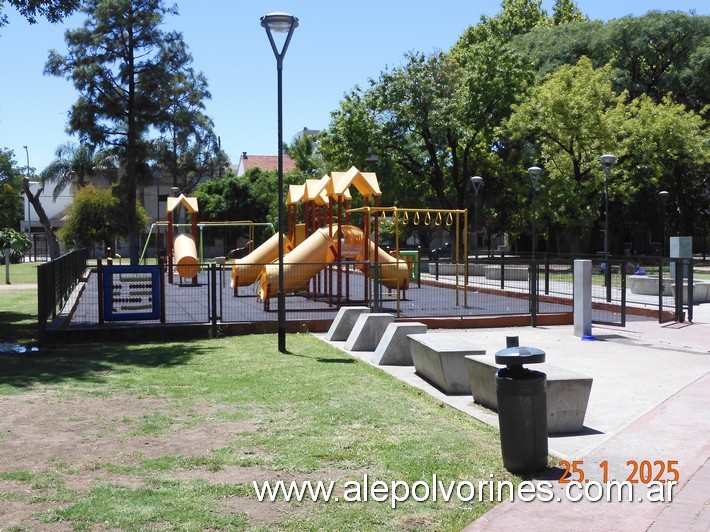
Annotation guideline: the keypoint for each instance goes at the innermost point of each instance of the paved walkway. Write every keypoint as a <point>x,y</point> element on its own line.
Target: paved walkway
<point>649,401</point>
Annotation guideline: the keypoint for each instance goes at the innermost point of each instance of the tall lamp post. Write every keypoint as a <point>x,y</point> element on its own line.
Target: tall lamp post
<point>29,204</point>
<point>664,197</point>
<point>607,161</point>
<point>477,182</point>
<point>534,172</point>
<point>280,23</point>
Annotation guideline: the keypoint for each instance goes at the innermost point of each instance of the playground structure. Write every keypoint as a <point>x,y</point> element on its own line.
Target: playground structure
<point>184,248</point>
<point>320,250</point>
<point>186,253</point>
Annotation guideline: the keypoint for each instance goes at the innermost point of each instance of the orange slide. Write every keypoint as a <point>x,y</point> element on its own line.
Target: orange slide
<point>310,257</point>
<point>247,269</point>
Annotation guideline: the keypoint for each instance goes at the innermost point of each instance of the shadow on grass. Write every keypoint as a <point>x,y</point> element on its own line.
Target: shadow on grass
<point>339,360</point>
<point>17,326</point>
<point>88,362</point>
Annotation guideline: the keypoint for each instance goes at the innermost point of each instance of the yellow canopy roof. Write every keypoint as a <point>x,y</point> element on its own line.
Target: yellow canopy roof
<point>295,194</point>
<point>190,204</point>
<point>365,182</point>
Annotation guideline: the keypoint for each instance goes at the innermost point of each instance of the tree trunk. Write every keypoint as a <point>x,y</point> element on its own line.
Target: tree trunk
<point>52,242</point>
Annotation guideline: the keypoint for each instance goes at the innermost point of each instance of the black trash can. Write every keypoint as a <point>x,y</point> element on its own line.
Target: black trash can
<point>522,410</point>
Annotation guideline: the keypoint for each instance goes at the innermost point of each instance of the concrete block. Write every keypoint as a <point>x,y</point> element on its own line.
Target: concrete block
<point>512,273</point>
<point>476,269</point>
<point>445,268</point>
<point>394,349</point>
<point>344,322</point>
<point>440,359</point>
<point>582,298</point>
<point>368,331</point>
<point>701,292</point>
<point>647,285</point>
<point>567,392</point>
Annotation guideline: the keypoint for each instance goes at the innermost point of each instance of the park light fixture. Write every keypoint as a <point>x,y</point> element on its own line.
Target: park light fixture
<point>535,172</point>
<point>663,194</point>
<point>280,23</point>
<point>477,182</point>
<point>607,161</point>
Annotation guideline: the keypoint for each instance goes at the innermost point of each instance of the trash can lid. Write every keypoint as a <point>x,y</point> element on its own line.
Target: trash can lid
<point>517,356</point>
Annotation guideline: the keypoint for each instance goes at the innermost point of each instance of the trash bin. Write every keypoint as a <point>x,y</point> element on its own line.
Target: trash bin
<point>522,409</point>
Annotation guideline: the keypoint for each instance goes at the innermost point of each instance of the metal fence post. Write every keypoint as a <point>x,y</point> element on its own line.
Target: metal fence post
<point>679,316</point>
<point>690,289</point>
<point>213,295</point>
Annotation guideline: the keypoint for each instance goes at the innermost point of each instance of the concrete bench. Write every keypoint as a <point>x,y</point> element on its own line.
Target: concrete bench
<point>476,269</point>
<point>394,349</point>
<point>567,392</point>
<point>344,322</point>
<point>648,285</point>
<point>440,359</point>
<point>368,331</point>
<point>701,291</point>
<point>512,273</point>
<point>445,268</point>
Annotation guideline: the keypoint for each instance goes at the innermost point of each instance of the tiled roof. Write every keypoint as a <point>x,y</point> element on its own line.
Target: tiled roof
<point>268,162</point>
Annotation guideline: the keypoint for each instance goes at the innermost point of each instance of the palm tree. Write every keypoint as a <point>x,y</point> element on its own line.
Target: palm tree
<point>75,163</point>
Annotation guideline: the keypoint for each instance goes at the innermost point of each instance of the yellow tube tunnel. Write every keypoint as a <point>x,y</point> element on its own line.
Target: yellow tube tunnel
<point>185,251</point>
<point>311,256</point>
<point>247,270</point>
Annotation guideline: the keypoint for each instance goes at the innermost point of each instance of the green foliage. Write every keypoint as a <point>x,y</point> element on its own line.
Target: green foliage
<point>10,188</point>
<point>654,54</point>
<point>302,150</point>
<point>18,243</point>
<point>97,215</point>
<point>127,71</point>
<point>77,163</point>
<point>230,198</point>
<point>52,10</point>
<point>666,147</point>
<point>573,117</point>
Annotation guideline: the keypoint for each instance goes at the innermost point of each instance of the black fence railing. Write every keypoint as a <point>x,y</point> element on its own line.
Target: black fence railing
<point>56,280</point>
<point>497,286</point>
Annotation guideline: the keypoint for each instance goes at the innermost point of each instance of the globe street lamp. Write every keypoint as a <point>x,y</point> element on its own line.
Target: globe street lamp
<point>535,172</point>
<point>607,161</point>
<point>477,182</point>
<point>663,194</point>
<point>275,23</point>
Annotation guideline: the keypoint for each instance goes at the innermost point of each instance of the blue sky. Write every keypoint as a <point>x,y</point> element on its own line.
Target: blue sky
<point>334,49</point>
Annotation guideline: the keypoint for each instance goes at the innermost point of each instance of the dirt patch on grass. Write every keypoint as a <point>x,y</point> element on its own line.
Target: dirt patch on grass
<point>71,439</point>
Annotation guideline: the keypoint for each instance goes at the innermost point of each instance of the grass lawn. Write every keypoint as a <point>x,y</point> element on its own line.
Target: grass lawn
<point>171,436</point>
<point>21,273</point>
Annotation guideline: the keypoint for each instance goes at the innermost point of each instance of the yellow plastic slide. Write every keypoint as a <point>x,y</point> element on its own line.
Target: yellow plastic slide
<point>247,269</point>
<point>310,257</point>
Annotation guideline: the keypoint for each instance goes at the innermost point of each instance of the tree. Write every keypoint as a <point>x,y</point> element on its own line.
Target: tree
<point>18,243</point>
<point>566,12</point>
<point>302,150</point>
<point>188,144</point>
<point>666,147</point>
<point>231,198</point>
<point>34,199</point>
<point>10,188</point>
<point>75,163</point>
<point>123,66</point>
<point>52,10</point>
<point>572,117</point>
<point>654,54</point>
<point>97,215</point>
